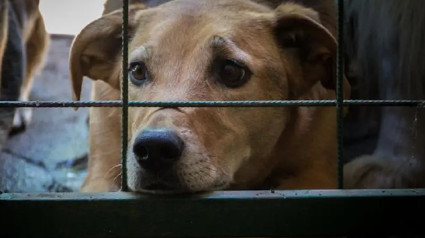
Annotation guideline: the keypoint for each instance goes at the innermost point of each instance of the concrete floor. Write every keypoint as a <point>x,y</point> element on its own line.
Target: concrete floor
<point>51,154</point>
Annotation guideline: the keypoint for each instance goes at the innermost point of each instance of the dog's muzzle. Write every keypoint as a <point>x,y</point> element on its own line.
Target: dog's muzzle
<point>163,161</point>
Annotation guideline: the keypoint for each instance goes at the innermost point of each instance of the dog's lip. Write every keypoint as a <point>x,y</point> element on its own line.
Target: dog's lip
<point>173,191</point>
<point>160,188</point>
<point>163,192</point>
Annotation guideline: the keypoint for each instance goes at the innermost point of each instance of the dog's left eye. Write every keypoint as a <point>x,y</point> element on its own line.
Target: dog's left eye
<point>138,73</point>
<point>233,74</point>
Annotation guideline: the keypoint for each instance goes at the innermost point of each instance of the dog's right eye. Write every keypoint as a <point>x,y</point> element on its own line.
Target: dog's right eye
<point>233,74</point>
<point>138,73</point>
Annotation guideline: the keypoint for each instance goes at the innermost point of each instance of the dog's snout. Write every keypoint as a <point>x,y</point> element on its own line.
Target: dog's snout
<point>157,149</point>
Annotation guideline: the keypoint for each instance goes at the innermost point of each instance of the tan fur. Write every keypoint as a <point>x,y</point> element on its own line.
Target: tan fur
<point>36,46</point>
<point>3,32</point>
<point>36,43</point>
<point>225,148</point>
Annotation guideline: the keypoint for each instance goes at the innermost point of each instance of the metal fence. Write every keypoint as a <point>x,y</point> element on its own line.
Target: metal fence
<point>217,214</point>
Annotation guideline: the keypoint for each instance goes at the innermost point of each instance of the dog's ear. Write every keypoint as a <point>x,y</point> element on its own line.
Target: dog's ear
<point>300,34</point>
<point>96,50</point>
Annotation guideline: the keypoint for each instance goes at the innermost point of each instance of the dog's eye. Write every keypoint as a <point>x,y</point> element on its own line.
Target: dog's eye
<point>138,73</point>
<point>233,74</point>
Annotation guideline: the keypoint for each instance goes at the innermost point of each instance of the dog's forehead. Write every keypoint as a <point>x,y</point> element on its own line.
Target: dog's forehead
<point>196,22</point>
<point>200,6</point>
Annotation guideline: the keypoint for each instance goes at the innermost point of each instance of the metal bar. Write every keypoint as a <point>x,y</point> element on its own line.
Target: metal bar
<point>217,214</point>
<point>124,91</point>
<point>385,103</point>
<point>339,94</point>
<point>269,103</point>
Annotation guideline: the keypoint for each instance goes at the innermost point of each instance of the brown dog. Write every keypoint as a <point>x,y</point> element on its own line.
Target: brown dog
<point>212,50</point>
<point>21,23</point>
<point>35,41</point>
<point>3,32</point>
<point>23,44</point>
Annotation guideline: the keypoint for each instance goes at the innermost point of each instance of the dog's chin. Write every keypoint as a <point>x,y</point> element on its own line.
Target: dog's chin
<point>162,192</point>
<point>160,188</point>
<point>163,189</point>
<point>173,181</point>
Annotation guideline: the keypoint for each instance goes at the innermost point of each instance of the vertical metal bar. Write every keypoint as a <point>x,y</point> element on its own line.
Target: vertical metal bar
<point>124,95</point>
<point>339,92</point>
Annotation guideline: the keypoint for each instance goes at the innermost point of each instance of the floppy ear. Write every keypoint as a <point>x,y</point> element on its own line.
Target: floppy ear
<point>96,50</point>
<point>314,49</point>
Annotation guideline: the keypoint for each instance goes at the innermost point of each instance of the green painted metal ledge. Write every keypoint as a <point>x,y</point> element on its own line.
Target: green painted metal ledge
<point>217,214</point>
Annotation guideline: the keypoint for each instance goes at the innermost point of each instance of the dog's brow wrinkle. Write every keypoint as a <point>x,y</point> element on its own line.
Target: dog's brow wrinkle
<point>218,41</point>
<point>226,47</point>
<point>139,54</point>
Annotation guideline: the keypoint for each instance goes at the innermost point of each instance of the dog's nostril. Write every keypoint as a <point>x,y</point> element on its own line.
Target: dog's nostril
<point>157,149</point>
<point>141,152</point>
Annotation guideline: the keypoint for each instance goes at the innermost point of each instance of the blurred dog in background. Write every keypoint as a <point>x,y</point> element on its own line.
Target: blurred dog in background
<point>385,51</point>
<point>23,44</point>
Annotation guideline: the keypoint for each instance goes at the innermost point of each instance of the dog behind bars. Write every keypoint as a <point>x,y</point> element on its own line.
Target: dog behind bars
<point>213,50</point>
<point>23,43</point>
<point>386,47</point>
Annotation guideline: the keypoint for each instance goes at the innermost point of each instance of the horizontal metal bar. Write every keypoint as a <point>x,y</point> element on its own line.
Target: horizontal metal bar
<point>270,103</point>
<point>61,104</point>
<point>217,214</point>
<point>385,103</point>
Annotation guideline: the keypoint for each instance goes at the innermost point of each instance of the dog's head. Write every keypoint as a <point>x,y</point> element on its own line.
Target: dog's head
<point>207,50</point>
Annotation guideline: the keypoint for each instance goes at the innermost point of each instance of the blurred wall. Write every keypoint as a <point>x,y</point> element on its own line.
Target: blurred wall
<point>69,16</point>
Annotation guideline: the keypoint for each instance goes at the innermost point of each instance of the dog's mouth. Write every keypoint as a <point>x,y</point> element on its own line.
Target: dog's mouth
<point>161,188</point>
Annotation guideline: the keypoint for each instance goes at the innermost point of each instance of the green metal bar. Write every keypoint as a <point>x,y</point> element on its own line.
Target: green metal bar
<point>247,103</point>
<point>217,214</point>
<point>339,93</point>
<point>124,91</point>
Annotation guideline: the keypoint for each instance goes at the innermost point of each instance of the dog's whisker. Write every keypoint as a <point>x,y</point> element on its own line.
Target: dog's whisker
<point>112,168</point>
<point>118,176</point>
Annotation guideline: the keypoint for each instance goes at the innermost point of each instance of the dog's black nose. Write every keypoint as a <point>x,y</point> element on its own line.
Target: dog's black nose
<point>157,149</point>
